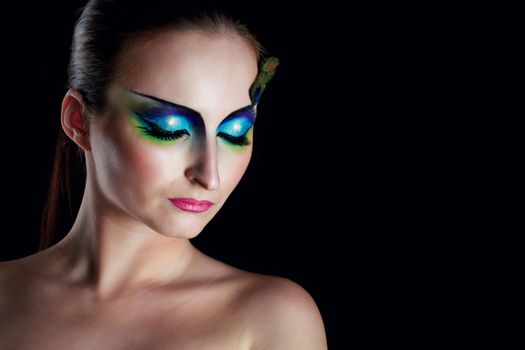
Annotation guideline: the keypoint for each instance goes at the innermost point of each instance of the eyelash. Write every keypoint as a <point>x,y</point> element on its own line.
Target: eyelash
<point>234,140</point>
<point>171,136</point>
<point>168,136</point>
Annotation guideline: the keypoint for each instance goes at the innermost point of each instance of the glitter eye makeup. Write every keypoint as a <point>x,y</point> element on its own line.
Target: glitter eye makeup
<point>166,128</point>
<point>235,128</point>
<point>163,121</point>
<point>160,122</point>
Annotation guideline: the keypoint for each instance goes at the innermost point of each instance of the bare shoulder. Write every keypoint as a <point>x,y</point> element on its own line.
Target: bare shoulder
<point>23,265</point>
<point>11,273</point>
<point>5,268</point>
<point>11,268</point>
<point>278,312</point>
<point>283,315</point>
<point>17,274</point>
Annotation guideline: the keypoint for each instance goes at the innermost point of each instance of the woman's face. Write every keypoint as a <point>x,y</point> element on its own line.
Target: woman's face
<point>167,135</point>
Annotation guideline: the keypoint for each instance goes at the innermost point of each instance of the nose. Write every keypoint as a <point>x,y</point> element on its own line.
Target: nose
<point>204,170</point>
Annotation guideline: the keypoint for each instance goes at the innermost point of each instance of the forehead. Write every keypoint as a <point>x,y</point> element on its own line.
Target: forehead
<point>210,73</point>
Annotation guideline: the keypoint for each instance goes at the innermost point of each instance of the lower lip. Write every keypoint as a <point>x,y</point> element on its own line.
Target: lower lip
<point>187,206</point>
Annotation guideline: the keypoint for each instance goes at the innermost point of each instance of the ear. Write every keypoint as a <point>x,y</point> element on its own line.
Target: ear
<point>73,119</point>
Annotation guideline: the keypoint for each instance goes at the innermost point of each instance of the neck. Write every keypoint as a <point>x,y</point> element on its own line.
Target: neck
<point>113,253</point>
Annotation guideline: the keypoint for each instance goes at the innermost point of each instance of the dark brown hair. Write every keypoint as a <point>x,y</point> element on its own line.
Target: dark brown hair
<point>105,32</point>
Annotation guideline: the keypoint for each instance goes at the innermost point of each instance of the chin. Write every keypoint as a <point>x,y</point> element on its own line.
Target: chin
<point>181,234</point>
<point>184,231</point>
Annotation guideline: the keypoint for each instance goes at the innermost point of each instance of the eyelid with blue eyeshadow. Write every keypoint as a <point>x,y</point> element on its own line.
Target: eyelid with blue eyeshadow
<point>237,126</point>
<point>165,120</point>
<point>192,115</point>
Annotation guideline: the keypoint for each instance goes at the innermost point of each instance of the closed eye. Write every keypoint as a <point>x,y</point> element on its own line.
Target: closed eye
<point>234,130</point>
<point>166,121</point>
<point>152,129</point>
<point>234,140</point>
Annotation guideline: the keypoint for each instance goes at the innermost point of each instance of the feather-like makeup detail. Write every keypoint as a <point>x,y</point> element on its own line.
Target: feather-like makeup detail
<point>266,73</point>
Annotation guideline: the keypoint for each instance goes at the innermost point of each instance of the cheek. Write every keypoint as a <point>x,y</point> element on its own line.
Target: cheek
<point>130,168</point>
<point>142,165</point>
<point>232,167</point>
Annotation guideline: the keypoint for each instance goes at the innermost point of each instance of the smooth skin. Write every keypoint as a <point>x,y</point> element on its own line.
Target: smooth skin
<point>126,275</point>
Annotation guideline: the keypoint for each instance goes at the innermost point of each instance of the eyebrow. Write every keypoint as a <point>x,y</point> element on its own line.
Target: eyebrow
<point>191,111</point>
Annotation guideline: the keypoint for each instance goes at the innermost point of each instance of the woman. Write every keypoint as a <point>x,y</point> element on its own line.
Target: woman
<point>161,107</point>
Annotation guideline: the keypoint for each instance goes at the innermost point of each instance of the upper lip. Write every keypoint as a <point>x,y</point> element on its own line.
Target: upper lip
<point>191,200</point>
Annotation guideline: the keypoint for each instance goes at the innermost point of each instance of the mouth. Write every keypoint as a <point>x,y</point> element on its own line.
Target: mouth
<point>191,204</point>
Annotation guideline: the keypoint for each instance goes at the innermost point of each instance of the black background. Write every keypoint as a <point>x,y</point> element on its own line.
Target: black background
<point>362,130</point>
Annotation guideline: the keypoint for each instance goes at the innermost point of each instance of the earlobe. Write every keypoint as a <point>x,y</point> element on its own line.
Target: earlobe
<point>73,121</point>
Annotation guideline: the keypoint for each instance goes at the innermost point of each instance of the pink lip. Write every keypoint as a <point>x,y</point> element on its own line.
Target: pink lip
<point>191,204</point>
